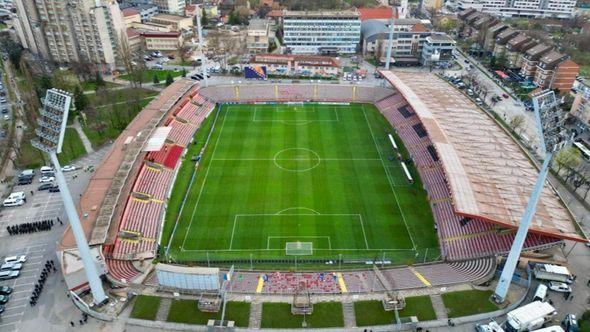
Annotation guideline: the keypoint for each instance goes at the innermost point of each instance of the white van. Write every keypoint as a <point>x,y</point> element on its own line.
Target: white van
<point>46,169</point>
<point>541,293</point>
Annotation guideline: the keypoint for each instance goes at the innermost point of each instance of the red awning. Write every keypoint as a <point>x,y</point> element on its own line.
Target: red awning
<point>501,74</point>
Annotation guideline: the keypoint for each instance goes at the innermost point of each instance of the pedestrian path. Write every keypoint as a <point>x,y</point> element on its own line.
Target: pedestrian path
<point>349,314</point>
<point>255,314</point>
<point>85,141</point>
<point>439,306</point>
<point>163,310</point>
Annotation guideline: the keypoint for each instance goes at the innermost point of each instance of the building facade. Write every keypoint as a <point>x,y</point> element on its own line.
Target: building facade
<point>556,71</point>
<point>290,65</point>
<point>175,22</point>
<point>162,41</point>
<point>176,7</point>
<point>322,32</point>
<point>581,105</point>
<point>438,47</point>
<point>77,31</point>
<point>522,8</point>
<point>257,40</point>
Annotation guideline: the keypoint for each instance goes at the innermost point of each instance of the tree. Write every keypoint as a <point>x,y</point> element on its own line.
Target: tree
<point>183,72</point>
<point>127,58</point>
<point>169,79</point>
<point>570,158</point>
<point>80,99</point>
<point>516,123</point>
<point>99,81</point>
<point>155,78</point>
<point>204,19</point>
<point>379,51</point>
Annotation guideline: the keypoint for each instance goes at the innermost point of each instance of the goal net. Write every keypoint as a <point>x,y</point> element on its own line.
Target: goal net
<point>299,248</point>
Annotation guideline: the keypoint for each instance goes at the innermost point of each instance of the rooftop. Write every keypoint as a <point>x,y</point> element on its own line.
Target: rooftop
<point>440,38</point>
<point>130,12</point>
<point>258,24</point>
<point>380,13</point>
<point>169,17</point>
<point>303,59</point>
<point>323,13</point>
<point>551,57</point>
<point>489,175</point>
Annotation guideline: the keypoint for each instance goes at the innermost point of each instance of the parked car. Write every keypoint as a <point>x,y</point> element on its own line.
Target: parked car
<point>559,287</point>
<point>46,178</point>
<point>54,189</point>
<point>5,290</point>
<point>505,96</point>
<point>8,274</point>
<point>69,168</point>
<point>571,323</point>
<point>2,307</point>
<point>17,258</point>
<point>3,299</point>
<point>45,186</point>
<point>11,266</point>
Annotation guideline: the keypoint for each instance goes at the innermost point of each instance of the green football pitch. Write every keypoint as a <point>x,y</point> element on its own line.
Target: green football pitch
<point>308,181</point>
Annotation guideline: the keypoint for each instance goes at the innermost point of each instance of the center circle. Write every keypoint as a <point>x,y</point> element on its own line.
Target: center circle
<point>296,159</point>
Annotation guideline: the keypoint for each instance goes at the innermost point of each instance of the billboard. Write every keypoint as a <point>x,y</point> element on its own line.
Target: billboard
<point>255,72</point>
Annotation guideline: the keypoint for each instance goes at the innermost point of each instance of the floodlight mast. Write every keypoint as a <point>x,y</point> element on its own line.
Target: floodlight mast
<point>545,106</point>
<point>390,39</point>
<point>202,49</point>
<point>50,134</point>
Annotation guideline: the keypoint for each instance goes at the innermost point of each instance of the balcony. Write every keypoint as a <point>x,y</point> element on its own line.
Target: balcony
<point>52,138</point>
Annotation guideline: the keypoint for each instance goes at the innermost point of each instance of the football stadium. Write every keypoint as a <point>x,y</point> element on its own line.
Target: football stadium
<point>408,182</point>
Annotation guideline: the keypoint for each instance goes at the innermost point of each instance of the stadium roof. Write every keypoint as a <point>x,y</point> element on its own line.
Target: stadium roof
<point>489,175</point>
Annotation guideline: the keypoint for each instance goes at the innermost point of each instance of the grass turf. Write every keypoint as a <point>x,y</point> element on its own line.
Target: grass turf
<point>148,75</point>
<point>469,302</point>
<point>325,314</point>
<point>72,148</point>
<point>370,313</point>
<point>146,307</point>
<point>186,311</point>
<point>112,111</point>
<point>324,174</point>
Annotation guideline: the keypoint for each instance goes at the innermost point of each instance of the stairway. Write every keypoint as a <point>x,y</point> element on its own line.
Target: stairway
<point>162,314</point>
<point>349,315</point>
<point>439,306</point>
<point>255,315</point>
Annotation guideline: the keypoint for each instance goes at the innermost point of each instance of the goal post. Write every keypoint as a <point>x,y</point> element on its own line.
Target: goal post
<point>299,248</point>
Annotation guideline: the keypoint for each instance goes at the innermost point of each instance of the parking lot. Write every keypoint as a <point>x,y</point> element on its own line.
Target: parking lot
<point>39,247</point>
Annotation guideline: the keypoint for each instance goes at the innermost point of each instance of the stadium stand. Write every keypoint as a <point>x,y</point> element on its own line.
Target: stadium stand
<point>471,240</point>
<point>138,227</point>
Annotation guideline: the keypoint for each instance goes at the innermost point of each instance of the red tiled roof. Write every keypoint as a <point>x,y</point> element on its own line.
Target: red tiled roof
<point>130,12</point>
<point>419,28</point>
<point>568,63</point>
<point>275,13</point>
<point>132,33</point>
<point>380,13</point>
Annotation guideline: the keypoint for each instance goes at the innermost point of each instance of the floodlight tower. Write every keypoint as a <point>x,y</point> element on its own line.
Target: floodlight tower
<point>50,135</point>
<point>201,48</point>
<point>551,138</point>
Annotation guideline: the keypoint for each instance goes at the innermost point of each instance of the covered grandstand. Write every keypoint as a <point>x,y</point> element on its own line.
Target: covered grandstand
<point>478,179</point>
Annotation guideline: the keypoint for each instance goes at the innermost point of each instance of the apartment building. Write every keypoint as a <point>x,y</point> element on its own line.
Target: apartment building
<point>515,47</point>
<point>489,39</point>
<point>176,7</point>
<point>522,8</point>
<point>581,105</point>
<point>530,60</point>
<point>409,38</point>
<point>80,30</point>
<point>502,39</point>
<point>130,16</point>
<point>556,71</point>
<point>298,65</point>
<point>321,32</point>
<point>257,40</point>
<point>28,28</point>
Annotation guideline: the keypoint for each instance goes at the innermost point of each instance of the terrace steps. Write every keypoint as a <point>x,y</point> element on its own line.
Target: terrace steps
<point>349,314</point>
<point>255,314</point>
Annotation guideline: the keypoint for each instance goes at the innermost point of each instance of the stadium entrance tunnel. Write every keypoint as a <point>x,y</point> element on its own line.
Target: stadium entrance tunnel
<point>296,159</point>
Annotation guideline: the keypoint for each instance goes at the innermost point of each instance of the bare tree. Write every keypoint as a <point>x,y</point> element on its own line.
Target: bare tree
<point>516,123</point>
<point>127,59</point>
